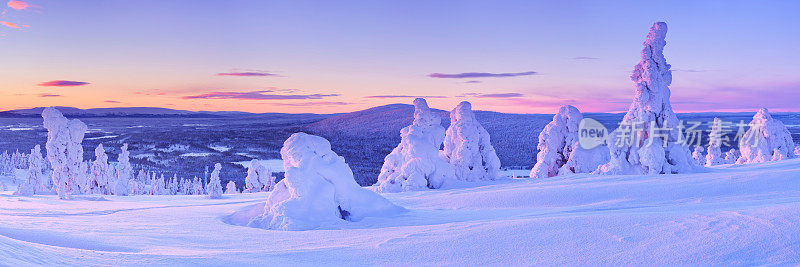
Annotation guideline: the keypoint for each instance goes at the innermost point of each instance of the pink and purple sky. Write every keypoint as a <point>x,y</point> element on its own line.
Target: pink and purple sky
<point>341,56</point>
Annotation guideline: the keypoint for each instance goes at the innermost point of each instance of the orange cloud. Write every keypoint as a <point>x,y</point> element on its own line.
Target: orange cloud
<point>18,5</point>
<point>12,25</point>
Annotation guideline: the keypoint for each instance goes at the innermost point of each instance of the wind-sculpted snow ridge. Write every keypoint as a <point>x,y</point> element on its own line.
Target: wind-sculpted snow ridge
<point>467,147</point>
<point>64,150</point>
<point>318,190</point>
<point>559,149</point>
<point>767,139</point>
<point>647,141</point>
<point>415,163</point>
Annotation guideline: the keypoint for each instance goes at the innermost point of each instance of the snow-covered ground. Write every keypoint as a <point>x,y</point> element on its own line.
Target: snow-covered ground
<point>739,215</point>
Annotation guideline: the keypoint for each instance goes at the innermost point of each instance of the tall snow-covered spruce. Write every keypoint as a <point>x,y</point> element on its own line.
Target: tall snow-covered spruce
<point>715,139</point>
<point>319,190</point>
<point>767,139</point>
<point>99,173</point>
<point>559,149</point>
<point>467,146</point>
<point>214,187</point>
<point>64,150</point>
<point>123,172</point>
<point>415,163</point>
<point>647,141</point>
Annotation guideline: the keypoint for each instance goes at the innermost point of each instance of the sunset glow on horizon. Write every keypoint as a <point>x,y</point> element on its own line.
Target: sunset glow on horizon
<point>332,57</point>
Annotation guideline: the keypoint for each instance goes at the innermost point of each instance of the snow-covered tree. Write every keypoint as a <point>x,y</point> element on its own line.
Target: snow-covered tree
<point>64,150</point>
<point>99,173</point>
<point>698,156</point>
<point>467,147</point>
<point>33,177</point>
<point>715,138</point>
<point>6,166</point>
<point>197,187</point>
<point>559,149</point>
<point>732,156</point>
<point>797,151</point>
<point>767,139</point>
<point>415,163</point>
<point>214,187</point>
<point>231,188</point>
<point>648,139</point>
<point>259,178</point>
<point>124,172</point>
<point>319,189</point>
<point>173,186</point>
<point>19,160</point>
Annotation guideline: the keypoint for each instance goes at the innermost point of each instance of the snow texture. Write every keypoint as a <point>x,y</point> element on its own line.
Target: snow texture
<point>214,187</point>
<point>319,189</point>
<point>467,147</point>
<point>653,126</point>
<point>415,163</point>
<point>64,150</point>
<point>767,139</point>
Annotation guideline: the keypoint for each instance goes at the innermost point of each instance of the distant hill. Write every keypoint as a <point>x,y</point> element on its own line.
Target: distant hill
<point>112,112</point>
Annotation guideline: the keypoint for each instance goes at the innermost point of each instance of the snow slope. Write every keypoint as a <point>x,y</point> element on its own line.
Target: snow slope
<point>741,215</point>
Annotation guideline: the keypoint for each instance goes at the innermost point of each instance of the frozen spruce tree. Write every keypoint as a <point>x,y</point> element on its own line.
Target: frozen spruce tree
<point>319,190</point>
<point>767,139</point>
<point>174,187</point>
<point>123,172</point>
<point>99,173</point>
<point>467,147</point>
<point>231,188</point>
<point>715,139</point>
<point>6,166</point>
<point>33,177</point>
<point>559,149</point>
<point>698,156</point>
<point>415,163</point>
<point>214,187</point>
<point>647,140</point>
<point>64,150</point>
<point>259,178</point>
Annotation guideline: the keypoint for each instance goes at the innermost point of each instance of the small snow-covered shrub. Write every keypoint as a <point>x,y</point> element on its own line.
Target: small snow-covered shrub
<point>467,147</point>
<point>415,163</point>
<point>698,156</point>
<point>99,173</point>
<point>318,190</point>
<point>231,188</point>
<point>767,139</point>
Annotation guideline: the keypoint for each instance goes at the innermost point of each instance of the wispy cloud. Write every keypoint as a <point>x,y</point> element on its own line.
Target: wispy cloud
<point>472,82</point>
<point>585,58</point>
<point>688,70</point>
<point>48,95</point>
<point>12,25</point>
<point>307,104</point>
<point>480,75</point>
<point>112,101</point>
<point>405,96</point>
<point>18,5</point>
<point>500,95</point>
<point>63,83</point>
<point>256,95</point>
<point>247,74</point>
